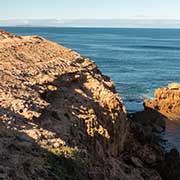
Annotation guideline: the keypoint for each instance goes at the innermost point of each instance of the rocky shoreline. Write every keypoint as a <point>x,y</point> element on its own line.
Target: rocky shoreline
<point>164,107</point>
<point>60,118</point>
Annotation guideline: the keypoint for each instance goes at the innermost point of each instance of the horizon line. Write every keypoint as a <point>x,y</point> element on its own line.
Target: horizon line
<point>90,27</point>
<point>133,18</point>
<point>93,23</point>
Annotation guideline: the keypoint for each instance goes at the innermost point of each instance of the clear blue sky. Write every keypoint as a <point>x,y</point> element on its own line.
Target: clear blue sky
<point>91,9</point>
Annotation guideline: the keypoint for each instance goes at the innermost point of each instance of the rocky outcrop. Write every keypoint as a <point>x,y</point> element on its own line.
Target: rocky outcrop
<point>166,101</point>
<point>60,118</point>
<point>60,101</point>
<point>164,107</point>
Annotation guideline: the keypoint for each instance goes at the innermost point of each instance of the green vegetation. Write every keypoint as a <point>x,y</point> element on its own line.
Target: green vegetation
<point>67,163</point>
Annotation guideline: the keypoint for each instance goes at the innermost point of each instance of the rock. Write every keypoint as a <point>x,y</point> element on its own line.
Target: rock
<point>150,120</point>
<point>137,162</point>
<point>166,101</point>
<point>47,92</point>
<point>164,106</point>
<point>171,165</point>
<point>60,118</point>
<point>174,86</point>
<point>5,35</point>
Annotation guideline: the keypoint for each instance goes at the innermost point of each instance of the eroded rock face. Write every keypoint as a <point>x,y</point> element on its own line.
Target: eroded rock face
<point>166,101</point>
<point>60,118</point>
<point>55,99</point>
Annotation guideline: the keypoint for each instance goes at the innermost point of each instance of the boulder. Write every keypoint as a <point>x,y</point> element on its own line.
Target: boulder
<point>166,101</point>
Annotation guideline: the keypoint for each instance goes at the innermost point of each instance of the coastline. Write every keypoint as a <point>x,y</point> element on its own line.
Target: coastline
<point>71,114</point>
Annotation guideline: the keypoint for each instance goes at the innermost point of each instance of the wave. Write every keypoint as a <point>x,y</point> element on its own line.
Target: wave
<point>156,47</point>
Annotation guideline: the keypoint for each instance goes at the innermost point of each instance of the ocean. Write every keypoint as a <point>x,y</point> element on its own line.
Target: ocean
<point>137,60</point>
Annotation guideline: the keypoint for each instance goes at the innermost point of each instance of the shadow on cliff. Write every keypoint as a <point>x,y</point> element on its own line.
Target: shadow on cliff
<point>147,127</point>
<point>70,100</point>
<point>19,154</point>
<point>21,157</point>
<point>74,116</point>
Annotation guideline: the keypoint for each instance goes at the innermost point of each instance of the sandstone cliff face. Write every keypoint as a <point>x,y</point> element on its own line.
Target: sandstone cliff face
<point>57,98</point>
<point>166,101</point>
<point>60,118</point>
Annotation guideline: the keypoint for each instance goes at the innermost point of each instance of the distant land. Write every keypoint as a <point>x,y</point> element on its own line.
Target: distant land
<point>129,23</point>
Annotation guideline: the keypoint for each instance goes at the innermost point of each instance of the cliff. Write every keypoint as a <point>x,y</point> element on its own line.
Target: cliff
<point>60,118</point>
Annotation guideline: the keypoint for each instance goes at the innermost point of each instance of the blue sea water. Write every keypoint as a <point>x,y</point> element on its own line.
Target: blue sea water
<point>137,60</point>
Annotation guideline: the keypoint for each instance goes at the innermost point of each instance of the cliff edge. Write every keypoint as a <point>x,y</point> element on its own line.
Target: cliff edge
<point>60,118</point>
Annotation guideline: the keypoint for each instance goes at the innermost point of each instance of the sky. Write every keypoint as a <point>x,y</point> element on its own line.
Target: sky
<point>89,9</point>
